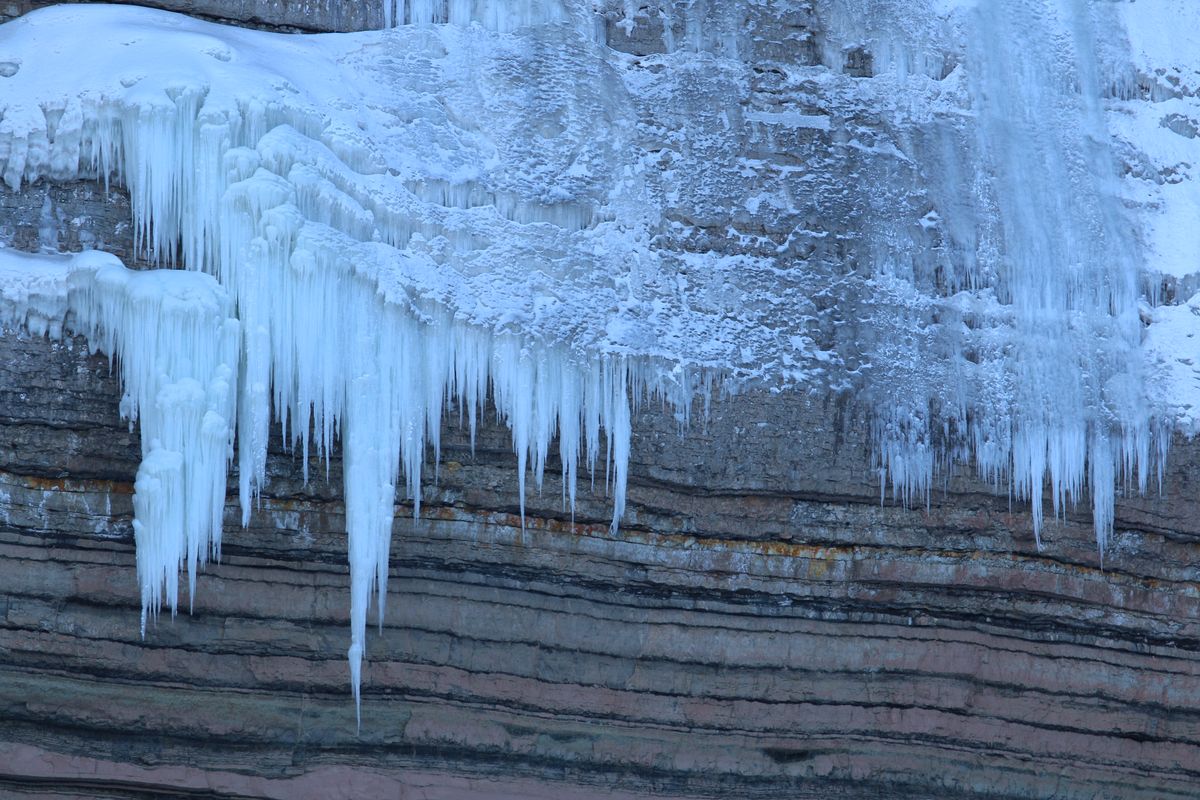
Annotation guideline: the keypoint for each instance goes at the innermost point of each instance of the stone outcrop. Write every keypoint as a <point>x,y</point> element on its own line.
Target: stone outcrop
<point>761,626</point>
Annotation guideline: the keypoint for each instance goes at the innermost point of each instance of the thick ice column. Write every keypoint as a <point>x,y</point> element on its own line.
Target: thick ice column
<point>173,335</point>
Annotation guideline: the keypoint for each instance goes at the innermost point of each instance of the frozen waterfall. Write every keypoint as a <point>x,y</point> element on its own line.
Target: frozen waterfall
<point>481,202</point>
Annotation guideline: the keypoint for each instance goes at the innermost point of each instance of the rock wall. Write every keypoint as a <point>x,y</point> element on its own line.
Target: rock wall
<point>762,625</point>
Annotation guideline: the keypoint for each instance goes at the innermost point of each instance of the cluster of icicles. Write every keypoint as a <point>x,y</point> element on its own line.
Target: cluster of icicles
<point>287,313</point>
<point>1050,385</point>
<point>284,318</point>
<point>497,15</point>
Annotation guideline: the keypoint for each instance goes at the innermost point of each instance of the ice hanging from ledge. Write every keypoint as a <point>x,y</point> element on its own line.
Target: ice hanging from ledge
<point>367,288</point>
<point>1032,366</point>
<point>177,344</point>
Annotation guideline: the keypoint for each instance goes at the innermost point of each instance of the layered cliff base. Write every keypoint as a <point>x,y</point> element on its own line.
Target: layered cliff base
<point>761,627</point>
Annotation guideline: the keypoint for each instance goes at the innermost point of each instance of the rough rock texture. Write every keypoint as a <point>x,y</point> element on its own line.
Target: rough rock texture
<point>69,218</point>
<point>762,626</point>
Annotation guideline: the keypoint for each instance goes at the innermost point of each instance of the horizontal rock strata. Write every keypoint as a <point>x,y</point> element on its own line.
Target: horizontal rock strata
<point>761,626</point>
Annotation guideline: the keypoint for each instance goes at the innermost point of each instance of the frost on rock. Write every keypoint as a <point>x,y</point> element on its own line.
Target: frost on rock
<point>920,208</point>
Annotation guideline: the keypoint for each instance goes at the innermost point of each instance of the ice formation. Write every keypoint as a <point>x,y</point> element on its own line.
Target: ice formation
<point>176,340</point>
<point>485,200</point>
<point>430,284</point>
<point>177,343</point>
<point>1029,277</point>
<point>1040,275</point>
<point>33,292</point>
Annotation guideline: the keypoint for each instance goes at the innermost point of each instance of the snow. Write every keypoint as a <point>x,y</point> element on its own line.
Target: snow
<point>1173,339</point>
<point>1157,126</point>
<point>791,119</point>
<point>1154,120</point>
<point>484,201</point>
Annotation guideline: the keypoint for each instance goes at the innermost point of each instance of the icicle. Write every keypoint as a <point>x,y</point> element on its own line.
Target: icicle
<point>1048,268</point>
<point>176,342</point>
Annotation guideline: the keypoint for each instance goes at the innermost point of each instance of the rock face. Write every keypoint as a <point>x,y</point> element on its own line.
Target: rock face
<point>761,626</point>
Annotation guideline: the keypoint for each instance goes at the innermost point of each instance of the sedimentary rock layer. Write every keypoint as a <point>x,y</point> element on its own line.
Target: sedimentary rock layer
<point>761,626</point>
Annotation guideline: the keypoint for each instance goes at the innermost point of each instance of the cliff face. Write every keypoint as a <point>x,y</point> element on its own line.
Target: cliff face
<point>761,625</point>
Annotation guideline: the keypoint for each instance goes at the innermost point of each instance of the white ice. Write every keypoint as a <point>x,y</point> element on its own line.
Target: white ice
<point>474,203</point>
<point>175,340</point>
<point>33,292</point>
<point>379,261</point>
